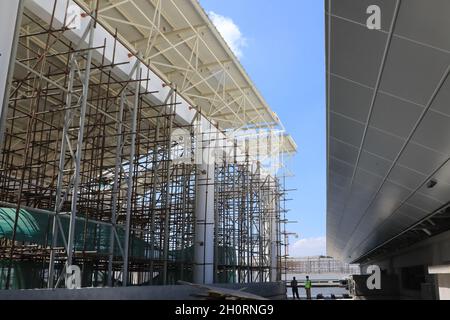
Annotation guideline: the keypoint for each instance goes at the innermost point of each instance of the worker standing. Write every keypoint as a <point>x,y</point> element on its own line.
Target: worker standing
<point>308,285</point>
<point>294,285</point>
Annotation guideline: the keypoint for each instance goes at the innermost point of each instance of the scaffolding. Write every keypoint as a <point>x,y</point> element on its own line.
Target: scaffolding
<point>88,177</point>
<point>241,223</point>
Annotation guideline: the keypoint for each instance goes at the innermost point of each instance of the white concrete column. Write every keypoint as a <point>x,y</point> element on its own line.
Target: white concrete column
<point>204,205</point>
<point>274,247</point>
<point>10,20</point>
<point>443,276</point>
<point>444,286</point>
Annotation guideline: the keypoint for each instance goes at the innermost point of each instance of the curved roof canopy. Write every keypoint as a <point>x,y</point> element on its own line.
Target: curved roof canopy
<point>179,42</point>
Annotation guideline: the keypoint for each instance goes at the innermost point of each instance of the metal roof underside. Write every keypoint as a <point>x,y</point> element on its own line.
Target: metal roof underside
<point>388,120</point>
<point>179,42</point>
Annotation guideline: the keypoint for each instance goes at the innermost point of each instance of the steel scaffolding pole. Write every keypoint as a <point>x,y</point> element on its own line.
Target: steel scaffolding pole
<point>154,202</point>
<point>79,149</point>
<point>167,182</point>
<point>114,202</point>
<point>130,182</point>
<point>65,139</point>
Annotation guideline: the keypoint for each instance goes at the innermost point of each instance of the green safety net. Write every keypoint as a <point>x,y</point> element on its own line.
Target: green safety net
<point>30,228</point>
<point>24,274</point>
<point>35,228</point>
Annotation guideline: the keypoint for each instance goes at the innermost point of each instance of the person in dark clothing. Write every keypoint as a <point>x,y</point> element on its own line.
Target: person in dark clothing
<point>294,286</point>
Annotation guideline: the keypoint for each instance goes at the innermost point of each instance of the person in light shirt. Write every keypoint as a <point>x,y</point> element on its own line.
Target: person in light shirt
<point>308,285</point>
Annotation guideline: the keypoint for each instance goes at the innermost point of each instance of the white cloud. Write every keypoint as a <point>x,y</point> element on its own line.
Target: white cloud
<point>230,32</point>
<point>308,247</point>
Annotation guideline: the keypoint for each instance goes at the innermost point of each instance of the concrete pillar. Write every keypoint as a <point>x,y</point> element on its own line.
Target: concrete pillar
<point>443,280</point>
<point>275,274</point>
<point>204,205</point>
<point>10,20</point>
<point>273,256</point>
<point>444,286</point>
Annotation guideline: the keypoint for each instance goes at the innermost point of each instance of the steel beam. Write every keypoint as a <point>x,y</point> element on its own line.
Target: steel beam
<point>79,149</point>
<point>114,201</point>
<point>59,199</point>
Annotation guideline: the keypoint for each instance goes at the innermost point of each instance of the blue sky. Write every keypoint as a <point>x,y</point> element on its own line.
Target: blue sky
<point>282,49</point>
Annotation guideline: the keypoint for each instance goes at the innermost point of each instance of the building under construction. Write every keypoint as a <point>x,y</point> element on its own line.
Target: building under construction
<point>135,147</point>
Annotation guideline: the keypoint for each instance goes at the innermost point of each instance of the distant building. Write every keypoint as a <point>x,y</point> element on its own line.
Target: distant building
<point>320,264</point>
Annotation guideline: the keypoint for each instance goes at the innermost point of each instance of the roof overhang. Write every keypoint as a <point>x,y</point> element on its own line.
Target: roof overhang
<point>388,120</point>
<point>179,42</point>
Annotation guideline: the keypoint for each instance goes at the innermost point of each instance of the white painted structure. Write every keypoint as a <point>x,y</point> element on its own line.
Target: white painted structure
<point>10,17</point>
<point>204,209</point>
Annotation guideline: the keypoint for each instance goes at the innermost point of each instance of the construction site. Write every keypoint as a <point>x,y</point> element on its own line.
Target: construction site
<point>135,149</point>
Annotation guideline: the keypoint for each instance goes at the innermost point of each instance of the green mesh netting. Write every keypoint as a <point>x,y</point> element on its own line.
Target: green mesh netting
<point>35,228</point>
